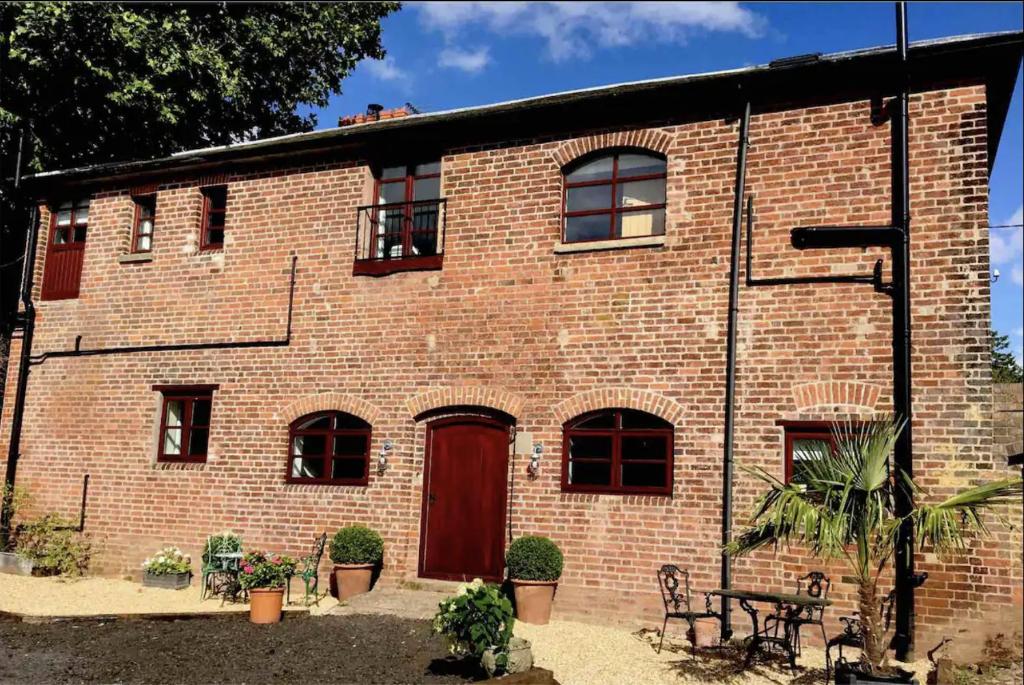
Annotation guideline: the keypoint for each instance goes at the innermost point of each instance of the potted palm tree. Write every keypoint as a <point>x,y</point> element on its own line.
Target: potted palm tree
<point>844,507</point>
<point>534,567</point>
<point>356,551</point>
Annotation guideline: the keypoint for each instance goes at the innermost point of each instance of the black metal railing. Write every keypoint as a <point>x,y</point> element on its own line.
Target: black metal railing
<point>400,236</point>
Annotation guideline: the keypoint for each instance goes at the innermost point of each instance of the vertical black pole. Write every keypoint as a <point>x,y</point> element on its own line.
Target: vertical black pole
<point>901,362</point>
<point>730,364</point>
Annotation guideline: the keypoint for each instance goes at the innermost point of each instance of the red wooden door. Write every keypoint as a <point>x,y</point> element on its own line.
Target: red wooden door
<point>65,250</point>
<point>464,497</point>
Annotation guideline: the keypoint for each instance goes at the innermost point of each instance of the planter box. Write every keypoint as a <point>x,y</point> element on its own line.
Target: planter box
<point>168,581</point>
<point>15,565</point>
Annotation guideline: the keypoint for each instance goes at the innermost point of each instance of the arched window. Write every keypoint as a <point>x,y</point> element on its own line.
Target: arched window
<point>614,195</point>
<point>329,447</point>
<point>617,451</point>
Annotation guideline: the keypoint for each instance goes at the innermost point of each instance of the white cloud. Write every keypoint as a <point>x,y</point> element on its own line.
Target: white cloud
<point>469,61</point>
<point>1017,275</point>
<point>385,69</point>
<point>1006,245</point>
<point>577,29</point>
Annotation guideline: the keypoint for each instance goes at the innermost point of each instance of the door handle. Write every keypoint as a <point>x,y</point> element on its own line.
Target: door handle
<point>431,498</point>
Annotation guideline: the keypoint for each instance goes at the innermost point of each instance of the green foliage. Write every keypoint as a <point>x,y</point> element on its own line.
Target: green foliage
<point>264,570</point>
<point>534,558</point>
<point>168,561</point>
<point>357,545</point>
<point>1005,368</point>
<point>845,507</point>
<point>114,81</point>
<point>221,543</point>
<point>15,498</point>
<point>477,618</point>
<point>53,545</point>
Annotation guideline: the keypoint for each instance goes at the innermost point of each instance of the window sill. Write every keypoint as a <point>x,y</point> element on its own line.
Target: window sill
<point>383,267</point>
<point>135,258</point>
<point>618,244</point>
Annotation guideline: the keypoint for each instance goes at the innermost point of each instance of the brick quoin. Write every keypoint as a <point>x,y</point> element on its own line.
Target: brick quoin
<point>509,325</point>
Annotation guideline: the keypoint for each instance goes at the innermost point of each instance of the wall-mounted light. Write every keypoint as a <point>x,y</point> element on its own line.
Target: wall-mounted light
<point>995,275</point>
<point>534,467</point>
<point>385,452</point>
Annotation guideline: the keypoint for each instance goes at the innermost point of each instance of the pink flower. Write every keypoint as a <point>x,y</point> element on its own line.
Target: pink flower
<point>247,568</point>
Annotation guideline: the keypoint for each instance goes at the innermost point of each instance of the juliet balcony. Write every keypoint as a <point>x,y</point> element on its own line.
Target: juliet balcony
<point>400,236</point>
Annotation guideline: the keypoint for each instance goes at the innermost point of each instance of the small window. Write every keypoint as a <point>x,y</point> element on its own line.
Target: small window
<point>613,196</point>
<point>215,203</point>
<point>806,442</point>
<point>331,448</point>
<point>145,220</point>
<point>617,451</point>
<point>185,424</point>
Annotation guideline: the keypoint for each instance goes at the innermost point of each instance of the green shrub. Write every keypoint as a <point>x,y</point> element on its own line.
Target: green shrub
<point>357,545</point>
<point>476,619</point>
<point>262,570</point>
<point>534,558</point>
<point>52,543</point>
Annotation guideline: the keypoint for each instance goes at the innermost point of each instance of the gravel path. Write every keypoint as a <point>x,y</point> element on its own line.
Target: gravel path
<point>105,596</point>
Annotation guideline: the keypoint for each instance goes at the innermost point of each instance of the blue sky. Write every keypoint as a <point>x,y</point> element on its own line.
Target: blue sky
<point>444,55</point>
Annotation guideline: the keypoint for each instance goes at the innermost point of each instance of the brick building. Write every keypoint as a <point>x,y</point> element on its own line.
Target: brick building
<point>541,278</point>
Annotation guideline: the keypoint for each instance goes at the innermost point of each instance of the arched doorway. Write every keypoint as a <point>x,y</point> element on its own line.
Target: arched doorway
<point>465,493</point>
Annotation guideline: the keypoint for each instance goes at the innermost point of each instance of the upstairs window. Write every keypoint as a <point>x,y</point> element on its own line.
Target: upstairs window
<point>614,196</point>
<point>330,447</point>
<point>185,424</point>
<point>62,273</point>
<point>215,204</point>
<point>617,451</point>
<point>145,220</point>
<point>805,442</point>
<point>404,229</point>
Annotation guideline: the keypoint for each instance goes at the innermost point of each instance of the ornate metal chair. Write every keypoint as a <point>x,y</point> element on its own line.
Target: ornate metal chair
<point>853,635</point>
<point>308,570</point>
<point>815,584</point>
<point>218,575</point>
<point>675,593</point>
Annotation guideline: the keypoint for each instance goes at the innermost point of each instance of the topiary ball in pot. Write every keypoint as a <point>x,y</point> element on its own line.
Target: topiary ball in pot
<point>356,551</point>
<point>534,567</point>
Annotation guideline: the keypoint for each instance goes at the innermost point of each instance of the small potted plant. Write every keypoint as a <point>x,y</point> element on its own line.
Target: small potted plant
<point>264,576</point>
<point>477,622</point>
<point>534,567</point>
<point>356,551</point>
<point>170,569</point>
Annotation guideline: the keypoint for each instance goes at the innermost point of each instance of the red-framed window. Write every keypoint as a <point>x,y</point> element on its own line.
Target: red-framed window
<point>215,206</point>
<point>185,423</point>
<point>614,195</point>
<point>144,223</point>
<point>617,451</point>
<point>407,211</point>
<point>62,273</point>
<point>329,447</point>
<point>804,441</point>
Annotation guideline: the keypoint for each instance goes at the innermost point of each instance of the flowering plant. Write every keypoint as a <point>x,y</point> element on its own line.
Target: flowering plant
<point>168,561</point>
<point>477,618</point>
<point>263,570</point>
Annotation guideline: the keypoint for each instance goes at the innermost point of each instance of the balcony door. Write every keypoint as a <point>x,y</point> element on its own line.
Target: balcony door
<point>407,214</point>
<point>65,250</point>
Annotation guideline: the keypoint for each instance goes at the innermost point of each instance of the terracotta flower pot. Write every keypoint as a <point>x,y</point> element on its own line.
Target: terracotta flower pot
<point>352,579</point>
<point>265,604</point>
<point>533,600</point>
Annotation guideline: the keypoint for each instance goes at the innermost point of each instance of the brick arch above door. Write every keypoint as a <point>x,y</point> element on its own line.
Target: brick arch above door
<point>623,398</point>
<point>649,139</point>
<point>466,396</point>
<point>836,395</point>
<point>331,401</point>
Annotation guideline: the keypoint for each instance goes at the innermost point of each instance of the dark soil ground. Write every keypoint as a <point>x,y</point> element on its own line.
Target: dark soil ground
<point>330,649</point>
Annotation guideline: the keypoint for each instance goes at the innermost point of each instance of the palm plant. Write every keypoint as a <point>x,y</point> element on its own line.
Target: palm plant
<point>845,507</point>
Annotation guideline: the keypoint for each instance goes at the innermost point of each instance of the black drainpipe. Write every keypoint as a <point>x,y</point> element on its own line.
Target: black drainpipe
<point>906,581</point>
<point>730,365</point>
<point>27,322</point>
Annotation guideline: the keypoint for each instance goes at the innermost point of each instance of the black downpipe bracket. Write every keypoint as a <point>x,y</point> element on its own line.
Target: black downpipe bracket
<point>730,365</point>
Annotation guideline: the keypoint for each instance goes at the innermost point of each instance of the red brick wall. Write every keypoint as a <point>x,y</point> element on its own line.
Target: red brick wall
<point>510,324</point>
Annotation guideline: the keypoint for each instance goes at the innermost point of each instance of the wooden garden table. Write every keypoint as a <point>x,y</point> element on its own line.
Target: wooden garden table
<point>781,601</point>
